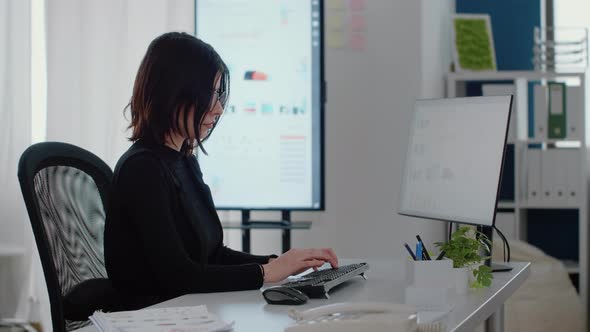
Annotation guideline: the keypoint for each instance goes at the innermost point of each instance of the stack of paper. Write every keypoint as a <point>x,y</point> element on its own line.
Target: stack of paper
<point>179,319</point>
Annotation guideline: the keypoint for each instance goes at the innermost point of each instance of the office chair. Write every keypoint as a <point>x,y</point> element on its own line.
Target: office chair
<point>65,189</point>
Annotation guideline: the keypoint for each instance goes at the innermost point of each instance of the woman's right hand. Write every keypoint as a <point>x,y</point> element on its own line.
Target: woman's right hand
<point>296,261</point>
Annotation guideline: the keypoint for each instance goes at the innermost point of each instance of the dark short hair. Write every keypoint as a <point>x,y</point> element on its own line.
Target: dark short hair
<point>178,72</point>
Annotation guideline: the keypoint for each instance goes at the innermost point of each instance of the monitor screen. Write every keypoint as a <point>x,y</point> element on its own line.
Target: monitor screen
<point>266,151</point>
<point>454,159</point>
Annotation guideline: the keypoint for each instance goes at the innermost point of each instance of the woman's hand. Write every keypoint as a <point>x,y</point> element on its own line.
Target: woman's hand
<point>296,261</point>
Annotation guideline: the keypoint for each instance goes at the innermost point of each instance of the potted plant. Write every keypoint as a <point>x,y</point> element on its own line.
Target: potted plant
<point>465,249</point>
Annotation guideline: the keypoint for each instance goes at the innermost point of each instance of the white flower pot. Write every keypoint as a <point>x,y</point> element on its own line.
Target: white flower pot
<point>462,277</point>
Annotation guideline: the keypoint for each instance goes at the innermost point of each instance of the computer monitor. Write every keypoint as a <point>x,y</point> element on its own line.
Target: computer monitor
<point>454,159</point>
<point>267,150</point>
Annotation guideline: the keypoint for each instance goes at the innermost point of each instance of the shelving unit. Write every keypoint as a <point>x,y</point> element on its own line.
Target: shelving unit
<point>506,205</point>
<point>522,208</point>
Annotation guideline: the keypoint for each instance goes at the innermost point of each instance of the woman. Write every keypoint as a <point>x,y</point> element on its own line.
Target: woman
<point>163,236</point>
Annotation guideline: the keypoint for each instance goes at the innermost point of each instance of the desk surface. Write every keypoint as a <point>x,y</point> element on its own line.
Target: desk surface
<point>385,284</point>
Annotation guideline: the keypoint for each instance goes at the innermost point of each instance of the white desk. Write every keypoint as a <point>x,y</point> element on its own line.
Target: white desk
<point>385,284</point>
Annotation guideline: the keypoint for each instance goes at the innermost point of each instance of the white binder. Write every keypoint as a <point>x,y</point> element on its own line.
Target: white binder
<point>547,177</point>
<point>560,175</point>
<point>534,194</point>
<point>574,110</point>
<point>572,160</point>
<point>540,108</point>
<point>554,177</point>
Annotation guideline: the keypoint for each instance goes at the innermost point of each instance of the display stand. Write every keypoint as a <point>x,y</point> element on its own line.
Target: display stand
<point>285,225</point>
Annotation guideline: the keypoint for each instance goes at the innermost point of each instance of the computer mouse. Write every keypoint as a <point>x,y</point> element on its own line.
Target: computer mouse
<point>284,295</point>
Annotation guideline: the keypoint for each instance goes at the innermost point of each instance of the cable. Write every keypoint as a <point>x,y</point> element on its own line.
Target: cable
<point>450,230</point>
<point>505,250</point>
<point>505,242</point>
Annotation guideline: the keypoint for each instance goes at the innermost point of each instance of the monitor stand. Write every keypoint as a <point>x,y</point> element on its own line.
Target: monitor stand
<point>500,267</point>
<point>496,267</point>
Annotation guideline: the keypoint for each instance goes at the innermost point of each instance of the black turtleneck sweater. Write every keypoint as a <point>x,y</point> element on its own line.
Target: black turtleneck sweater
<point>162,234</point>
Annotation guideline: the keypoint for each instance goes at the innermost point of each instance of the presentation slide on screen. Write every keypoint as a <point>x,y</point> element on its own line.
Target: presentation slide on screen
<point>447,174</point>
<point>262,154</point>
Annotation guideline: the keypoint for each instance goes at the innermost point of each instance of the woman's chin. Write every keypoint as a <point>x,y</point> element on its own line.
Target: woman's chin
<point>204,132</point>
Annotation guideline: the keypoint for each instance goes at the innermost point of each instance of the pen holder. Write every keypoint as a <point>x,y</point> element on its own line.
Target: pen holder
<point>430,274</point>
<point>430,283</point>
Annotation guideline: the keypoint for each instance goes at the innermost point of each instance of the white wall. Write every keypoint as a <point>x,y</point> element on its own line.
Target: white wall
<point>436,43</point>
<point>370,99</point>
<point>94,49</point>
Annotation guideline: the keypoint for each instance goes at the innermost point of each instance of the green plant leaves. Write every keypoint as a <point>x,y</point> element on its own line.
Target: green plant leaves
<point>464,249</point>
<point>483,277</point>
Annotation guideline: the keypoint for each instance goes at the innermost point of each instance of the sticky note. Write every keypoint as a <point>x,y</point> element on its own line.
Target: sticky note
<point>357,5</point>
<point>357,22</point>
<point>335,4</point>
<point>357,41</point>
<point>335,21</point>
<point>335,39</point>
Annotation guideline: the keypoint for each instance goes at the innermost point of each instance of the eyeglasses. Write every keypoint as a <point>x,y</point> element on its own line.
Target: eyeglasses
<point>221,97</point>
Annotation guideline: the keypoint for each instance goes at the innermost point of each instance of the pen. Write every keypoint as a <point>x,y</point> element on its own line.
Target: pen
<point>424,251</point>
<point>410,251</point>
<point>440,256</point>
<point>419,251</point>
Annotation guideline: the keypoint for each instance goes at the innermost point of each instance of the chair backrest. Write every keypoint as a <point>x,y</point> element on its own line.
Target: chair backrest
<point>65,190</point>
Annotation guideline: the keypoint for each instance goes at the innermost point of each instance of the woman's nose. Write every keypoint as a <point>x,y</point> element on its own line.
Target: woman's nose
<point>217,111</point>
